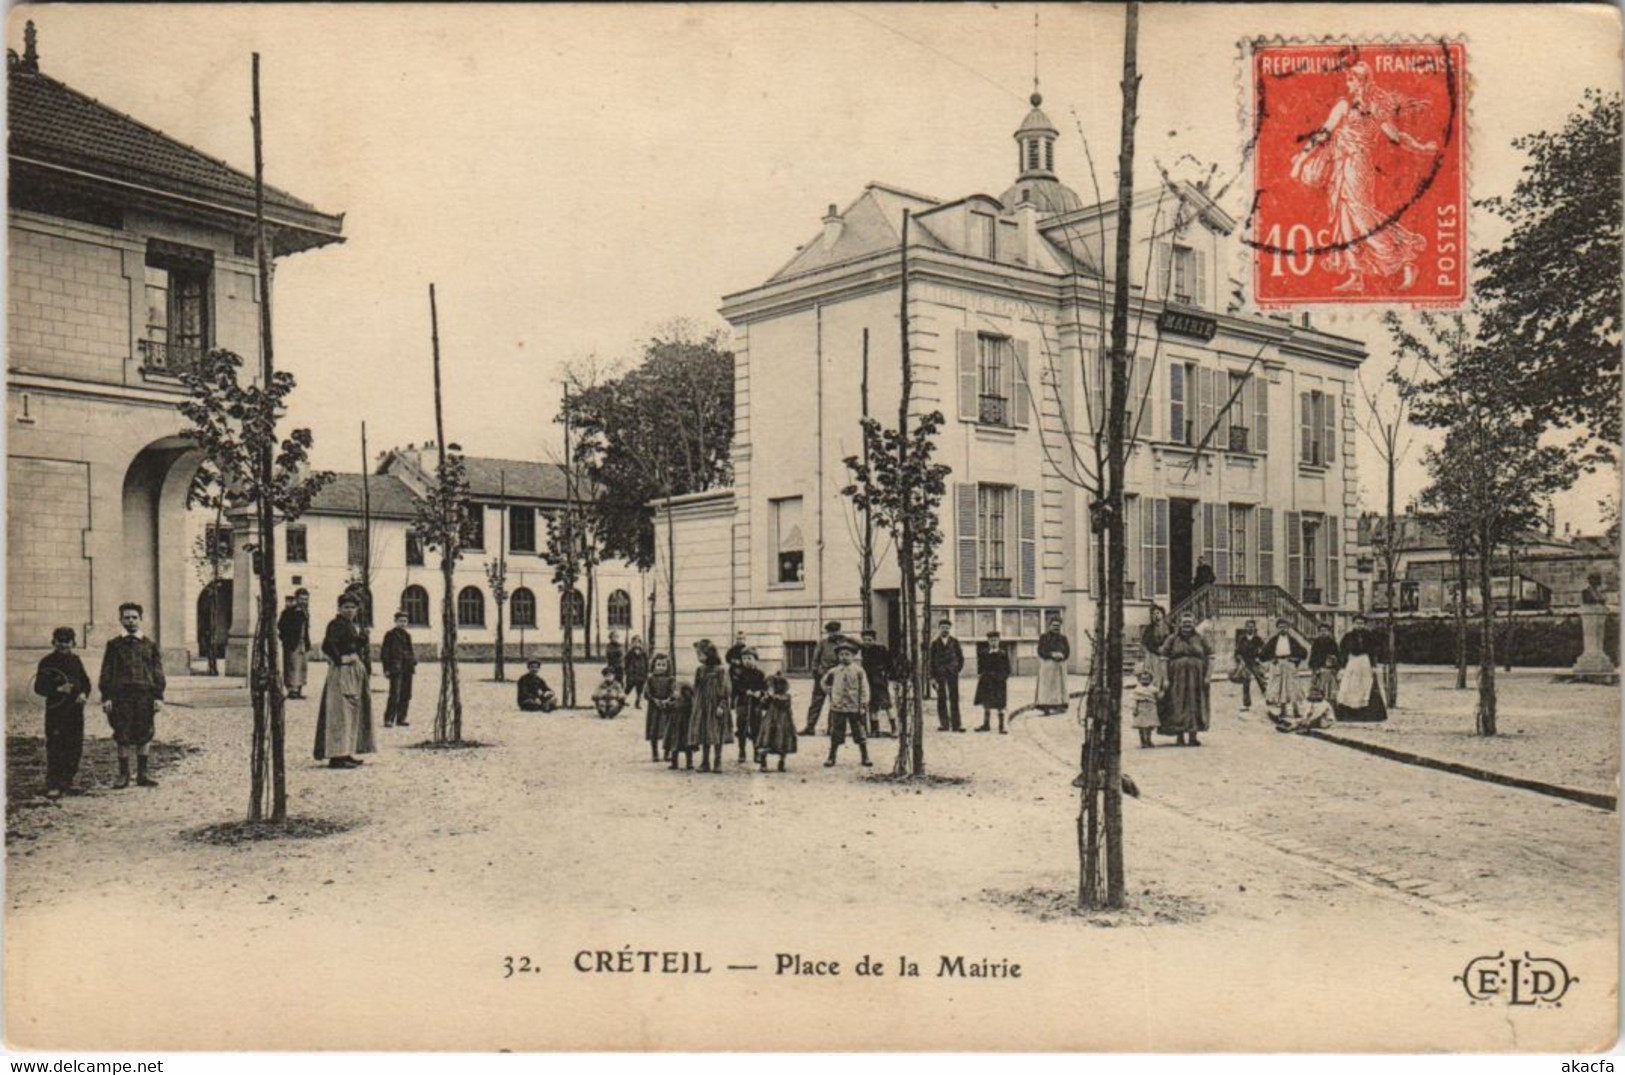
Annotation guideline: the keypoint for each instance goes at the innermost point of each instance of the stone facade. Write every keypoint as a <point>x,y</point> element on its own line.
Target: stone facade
<point>1007,315</point>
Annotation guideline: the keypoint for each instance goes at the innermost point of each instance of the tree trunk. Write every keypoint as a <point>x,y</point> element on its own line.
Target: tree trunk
<point>1486,645</point>
<point>1390,557</point>
<point>589,620</point>
<point>1111,722</point>
<point>866,563</point>
<point>910,749</point>
<point>1513,593</point>
<point>499,673</point>
<point>1461,620</point>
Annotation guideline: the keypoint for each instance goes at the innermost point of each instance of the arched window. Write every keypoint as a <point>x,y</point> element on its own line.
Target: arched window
<point>470,607</point>
<point>573,601</point>
<point>522,608</point>
<point>620,611</point>
<point>415,603</point>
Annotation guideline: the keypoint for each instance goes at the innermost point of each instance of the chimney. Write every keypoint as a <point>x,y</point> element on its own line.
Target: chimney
<point>1027,224</point>
<point>30,61</point>
<point>1551,520</point>
<point>832,227</point>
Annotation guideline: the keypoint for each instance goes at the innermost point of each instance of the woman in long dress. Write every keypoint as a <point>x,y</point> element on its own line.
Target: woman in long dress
<point>1190,659</point>
<point>711,723</point>
<point>1053,651</point>
<point>1283,696</point>
<point>1324,661</point>
<point>344,721</point>
<point>1152,636</point>
<point>1359,695</point>
<point>1341,157</point>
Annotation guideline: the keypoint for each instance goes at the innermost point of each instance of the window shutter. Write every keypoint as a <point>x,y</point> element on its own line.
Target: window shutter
<point>1028,542</point>
<point>1148,555</point>
<point>1132,542</point>
<point>1261,410</point>
<point>965,536</point>
<point>1266,546</point>
<point>1018,370</point>
<point>1221,544</point>
<point>1200,297</point>
<point>1099,372</point>
<point>1306,427</point>
<point>1177,395</point>
<point>1334,562</point>
<point>967,376</point>
<point>1165,271</point>
<point>1162,546</point>
<point>1208,543</point>
<point>1294,556</point>
<point>1330,427</point>
<point>1142,400</point>
<point>1204,377</point>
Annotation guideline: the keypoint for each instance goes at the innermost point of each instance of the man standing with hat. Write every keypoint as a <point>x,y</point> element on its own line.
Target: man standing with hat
<point>825,657</point>
<point>946,660</point>
<point>293,629</point>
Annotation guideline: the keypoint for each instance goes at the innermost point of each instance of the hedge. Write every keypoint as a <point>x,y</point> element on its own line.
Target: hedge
<point>1536,641</point>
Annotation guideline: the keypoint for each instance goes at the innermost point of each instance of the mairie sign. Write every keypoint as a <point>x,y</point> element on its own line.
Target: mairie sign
<point>1185,323</point>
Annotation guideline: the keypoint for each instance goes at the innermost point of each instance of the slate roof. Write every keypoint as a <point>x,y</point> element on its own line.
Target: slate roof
<point>872,223</point>
<point>390,497</point>
<point>524,480</point>
<point>54,123</point>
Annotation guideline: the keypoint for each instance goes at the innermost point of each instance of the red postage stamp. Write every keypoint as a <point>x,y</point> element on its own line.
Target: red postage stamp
<point>1359,157</point>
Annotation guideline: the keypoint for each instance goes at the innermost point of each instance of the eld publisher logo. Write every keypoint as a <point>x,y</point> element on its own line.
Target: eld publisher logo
<point>1523,982</point>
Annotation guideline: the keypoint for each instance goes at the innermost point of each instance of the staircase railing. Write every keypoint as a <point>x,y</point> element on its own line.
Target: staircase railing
<point>1244,600</point>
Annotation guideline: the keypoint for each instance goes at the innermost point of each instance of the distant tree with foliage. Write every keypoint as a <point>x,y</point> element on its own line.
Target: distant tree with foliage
<point>1493,474</point>
<point>444,522</point>
<point>563,552</point>
<point>234,425</point>
<point>661,430</point>
<point>1553,287</point>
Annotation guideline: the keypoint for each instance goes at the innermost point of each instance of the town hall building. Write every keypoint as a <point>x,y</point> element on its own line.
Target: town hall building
<point>1244,445</point>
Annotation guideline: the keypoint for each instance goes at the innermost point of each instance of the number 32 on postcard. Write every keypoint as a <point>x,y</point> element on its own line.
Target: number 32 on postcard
<point>1359,161</point>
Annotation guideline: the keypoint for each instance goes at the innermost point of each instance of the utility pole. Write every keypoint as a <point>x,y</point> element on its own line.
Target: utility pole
<point>266,694</point>
<point>868,551</point>
<point>448,717</point>
<point>366,536</point>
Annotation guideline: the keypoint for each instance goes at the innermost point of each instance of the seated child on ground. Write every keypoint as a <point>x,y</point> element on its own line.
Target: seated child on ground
<point>535,696</point>
<point>610,697</point>
<point>1317,713</point>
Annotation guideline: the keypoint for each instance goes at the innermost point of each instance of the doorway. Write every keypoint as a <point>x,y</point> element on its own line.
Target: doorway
<point>888,619</point>
<point>212,629</point>
<point>1181,549</point>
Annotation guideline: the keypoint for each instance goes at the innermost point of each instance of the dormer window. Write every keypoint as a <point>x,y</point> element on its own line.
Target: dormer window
<point>984,242</point>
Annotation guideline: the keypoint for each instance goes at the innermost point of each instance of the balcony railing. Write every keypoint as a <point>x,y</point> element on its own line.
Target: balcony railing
<point>1312,595</point>
<point>168,357</point>
<point>994,411</point>
<point>997,588</point>
<point>1238,438</point>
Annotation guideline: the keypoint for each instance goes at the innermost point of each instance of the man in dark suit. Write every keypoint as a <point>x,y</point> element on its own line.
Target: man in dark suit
<point>945,661</point>
<point>400,664</point>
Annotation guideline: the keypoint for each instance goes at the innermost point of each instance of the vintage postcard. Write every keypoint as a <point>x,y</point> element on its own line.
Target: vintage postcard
<point>642,527</point>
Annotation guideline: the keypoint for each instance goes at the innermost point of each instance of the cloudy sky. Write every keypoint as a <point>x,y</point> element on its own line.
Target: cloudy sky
<point>572,177</point>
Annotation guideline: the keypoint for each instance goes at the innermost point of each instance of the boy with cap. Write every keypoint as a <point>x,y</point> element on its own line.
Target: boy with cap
<point>293,629</point>
<point>825,658</point>
<point>400,664</point>
<point>848,689</point>
<point>64,684</point>
<point>535,696</point>
<point>132,686</point>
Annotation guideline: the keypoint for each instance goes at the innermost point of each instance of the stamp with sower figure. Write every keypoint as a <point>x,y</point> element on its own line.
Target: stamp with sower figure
<point>1359,162</point>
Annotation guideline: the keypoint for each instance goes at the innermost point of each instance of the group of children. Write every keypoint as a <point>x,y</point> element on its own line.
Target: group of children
<point>132,688</point>
<point>751,708</point>
<point>535,696</point>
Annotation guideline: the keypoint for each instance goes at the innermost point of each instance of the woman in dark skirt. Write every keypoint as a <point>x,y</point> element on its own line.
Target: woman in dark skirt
<point>1186,706</point>
<point>777,734</point>
<point>661,691</point>
<point>711,723</point>
<point>678,718</point>
<point>750,694</point>
<point>992,682</point>
<point>1359,695</point>
<point>344,720</point>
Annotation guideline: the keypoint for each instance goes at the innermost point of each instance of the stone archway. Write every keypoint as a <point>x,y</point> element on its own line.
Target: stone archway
<point>154,553</point>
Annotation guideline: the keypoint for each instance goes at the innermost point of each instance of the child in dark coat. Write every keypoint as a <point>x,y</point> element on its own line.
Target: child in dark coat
<point>65,685</point>
<point>661,691</point>
<point>992,681</point>
<point>777,734</point>
<point>677,727</point>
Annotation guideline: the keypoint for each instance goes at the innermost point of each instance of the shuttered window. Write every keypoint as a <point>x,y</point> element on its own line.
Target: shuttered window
<point>1154,546</point>
<point>1317,428</point>
<point>1266,546</point>
<point>993,379</point>
<point>1261,438</point>
<point>1240,517</point>
<point>1028,542</point>
<point>965,576</point>
<point>1294,555</point>
<point>1334,562</point>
